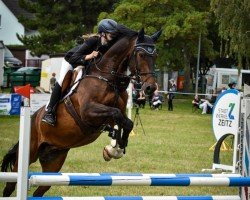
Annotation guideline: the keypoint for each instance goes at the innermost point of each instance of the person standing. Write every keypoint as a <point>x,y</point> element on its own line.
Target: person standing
<point>52,81</point>
<point>171,95</point>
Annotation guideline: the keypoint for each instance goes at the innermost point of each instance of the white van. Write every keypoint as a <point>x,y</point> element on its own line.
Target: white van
<point>219,78</point>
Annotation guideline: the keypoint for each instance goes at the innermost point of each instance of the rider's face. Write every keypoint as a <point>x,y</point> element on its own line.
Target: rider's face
<point>105,38</point>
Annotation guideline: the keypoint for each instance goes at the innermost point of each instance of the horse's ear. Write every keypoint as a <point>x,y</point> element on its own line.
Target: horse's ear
<point>156,35</point>
<point>141,35</point>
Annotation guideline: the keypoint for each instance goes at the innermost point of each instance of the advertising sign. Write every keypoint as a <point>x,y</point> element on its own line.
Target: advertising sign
<point>37,101</point>
<point>226,113</point>
<point>10,104</point>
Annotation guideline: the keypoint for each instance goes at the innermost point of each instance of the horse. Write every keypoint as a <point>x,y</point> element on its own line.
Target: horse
<point>99,101</point>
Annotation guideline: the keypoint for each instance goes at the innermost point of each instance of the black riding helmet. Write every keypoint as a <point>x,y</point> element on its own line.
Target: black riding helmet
<point>107,26</point>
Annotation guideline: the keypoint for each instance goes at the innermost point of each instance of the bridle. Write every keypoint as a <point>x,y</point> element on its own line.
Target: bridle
<point>147,48</point>
<point>150,50</point>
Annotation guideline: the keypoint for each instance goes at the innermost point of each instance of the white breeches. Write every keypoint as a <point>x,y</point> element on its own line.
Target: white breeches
<point>204,106</point>
<point>65,67</point>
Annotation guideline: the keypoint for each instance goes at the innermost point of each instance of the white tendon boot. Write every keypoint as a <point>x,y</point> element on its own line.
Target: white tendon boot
<point>112,150</point>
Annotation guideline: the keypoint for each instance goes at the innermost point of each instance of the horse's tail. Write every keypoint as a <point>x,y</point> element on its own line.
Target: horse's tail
<point>10,158</point>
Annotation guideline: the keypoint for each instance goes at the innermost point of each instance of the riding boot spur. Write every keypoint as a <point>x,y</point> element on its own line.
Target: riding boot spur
<point>50,111</point>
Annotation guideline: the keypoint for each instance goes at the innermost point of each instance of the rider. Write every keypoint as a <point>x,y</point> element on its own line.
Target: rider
<point>81,55</point>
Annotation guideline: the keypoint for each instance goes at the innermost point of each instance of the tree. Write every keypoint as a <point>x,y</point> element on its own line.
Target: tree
<point>233,19</point>
<point>59,23</point>
<point>181,23</point>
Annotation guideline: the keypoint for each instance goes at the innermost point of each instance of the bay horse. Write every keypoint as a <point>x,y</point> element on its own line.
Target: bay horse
<point>99,100</point>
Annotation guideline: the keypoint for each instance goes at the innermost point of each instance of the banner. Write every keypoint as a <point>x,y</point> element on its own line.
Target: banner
<point>226,113</point>
<point>37,101</point>
<point>10,104</point>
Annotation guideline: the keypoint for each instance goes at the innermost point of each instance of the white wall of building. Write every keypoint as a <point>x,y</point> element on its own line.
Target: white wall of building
<point>9,26</point>
<point>1,62</point>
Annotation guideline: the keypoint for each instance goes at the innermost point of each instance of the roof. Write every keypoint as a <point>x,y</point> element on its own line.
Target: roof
<point>14,7</point>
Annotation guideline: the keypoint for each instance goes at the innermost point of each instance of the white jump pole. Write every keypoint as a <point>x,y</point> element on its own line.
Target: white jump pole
<point>130,100</point>
<point>23,154</point>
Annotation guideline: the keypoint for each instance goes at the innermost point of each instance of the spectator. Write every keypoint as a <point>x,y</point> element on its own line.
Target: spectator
<point>212,102</point>
<point>141,100</point>
<point>232,85</point>
<point>201,104</point>
<point>52,81</point>
<point>150,96</point>
<point>213,98</point>
<point>171,95</point>
<point>157,100</point>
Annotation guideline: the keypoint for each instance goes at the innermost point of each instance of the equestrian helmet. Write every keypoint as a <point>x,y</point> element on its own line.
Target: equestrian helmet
<point>107,26</point>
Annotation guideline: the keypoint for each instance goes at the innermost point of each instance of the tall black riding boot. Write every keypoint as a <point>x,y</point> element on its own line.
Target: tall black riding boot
<point>50,116</point>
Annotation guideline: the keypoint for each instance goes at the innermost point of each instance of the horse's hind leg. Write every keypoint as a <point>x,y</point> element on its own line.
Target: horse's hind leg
<point>13,155</point>
<point>10,187</point>
<point>51,165</point>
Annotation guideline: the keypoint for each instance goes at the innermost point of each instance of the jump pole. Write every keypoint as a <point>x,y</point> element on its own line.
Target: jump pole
<point>43,180</point>
<point>140,198</point>
<point>21,177</point>
<point>24,145</point>
<point>23,154</point>
<point>12,176</point>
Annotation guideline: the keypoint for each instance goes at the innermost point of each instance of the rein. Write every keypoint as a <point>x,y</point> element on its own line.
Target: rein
<point>149,49</point>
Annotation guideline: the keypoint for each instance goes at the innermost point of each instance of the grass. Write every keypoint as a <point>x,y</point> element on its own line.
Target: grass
<point>175,142</point>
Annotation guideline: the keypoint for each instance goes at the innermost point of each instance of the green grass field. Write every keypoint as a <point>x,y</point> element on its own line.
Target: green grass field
<point>175,142</point>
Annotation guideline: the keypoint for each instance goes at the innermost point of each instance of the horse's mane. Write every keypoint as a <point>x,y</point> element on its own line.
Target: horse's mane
<point>123,31</point>
<point>121,37</point>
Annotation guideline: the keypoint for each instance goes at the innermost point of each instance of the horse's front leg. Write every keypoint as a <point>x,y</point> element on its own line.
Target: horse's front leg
<point>119,141</point>
<point>125,126</point>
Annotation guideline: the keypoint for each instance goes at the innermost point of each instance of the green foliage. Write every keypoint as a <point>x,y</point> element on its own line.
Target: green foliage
<point>55,33</point>
<point>234,27</point>
<point>59,23</point>
<point>181,21</point>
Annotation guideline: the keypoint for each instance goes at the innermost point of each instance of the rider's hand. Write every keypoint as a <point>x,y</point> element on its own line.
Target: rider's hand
<point>94,54</point>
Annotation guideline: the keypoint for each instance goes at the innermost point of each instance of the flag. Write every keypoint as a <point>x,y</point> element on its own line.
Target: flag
<point>24,91</point>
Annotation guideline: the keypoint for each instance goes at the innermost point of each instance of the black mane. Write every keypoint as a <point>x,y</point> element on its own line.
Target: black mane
<point>123,31</point>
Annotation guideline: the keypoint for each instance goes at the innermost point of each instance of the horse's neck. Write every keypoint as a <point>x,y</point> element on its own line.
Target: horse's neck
<point>124,65</point>
<point>115,58</point>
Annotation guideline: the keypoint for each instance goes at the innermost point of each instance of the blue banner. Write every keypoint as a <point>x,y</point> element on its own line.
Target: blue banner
<point>10,104</point>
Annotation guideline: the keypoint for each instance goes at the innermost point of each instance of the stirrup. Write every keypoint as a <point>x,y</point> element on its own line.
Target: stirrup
<point>49,118</point>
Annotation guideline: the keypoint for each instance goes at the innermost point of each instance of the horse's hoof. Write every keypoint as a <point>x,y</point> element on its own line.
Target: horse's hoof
<point>112,152</point>
<point>106,155</point>
<point>118,154</point>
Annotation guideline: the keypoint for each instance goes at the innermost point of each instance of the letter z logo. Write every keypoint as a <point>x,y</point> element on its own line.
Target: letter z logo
<point>231,106</point>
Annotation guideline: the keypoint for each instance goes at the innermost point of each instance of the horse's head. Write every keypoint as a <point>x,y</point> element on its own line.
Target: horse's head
<point>142,66</point>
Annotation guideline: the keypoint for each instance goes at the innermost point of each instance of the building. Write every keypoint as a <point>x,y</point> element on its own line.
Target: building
<point>9,24</point>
